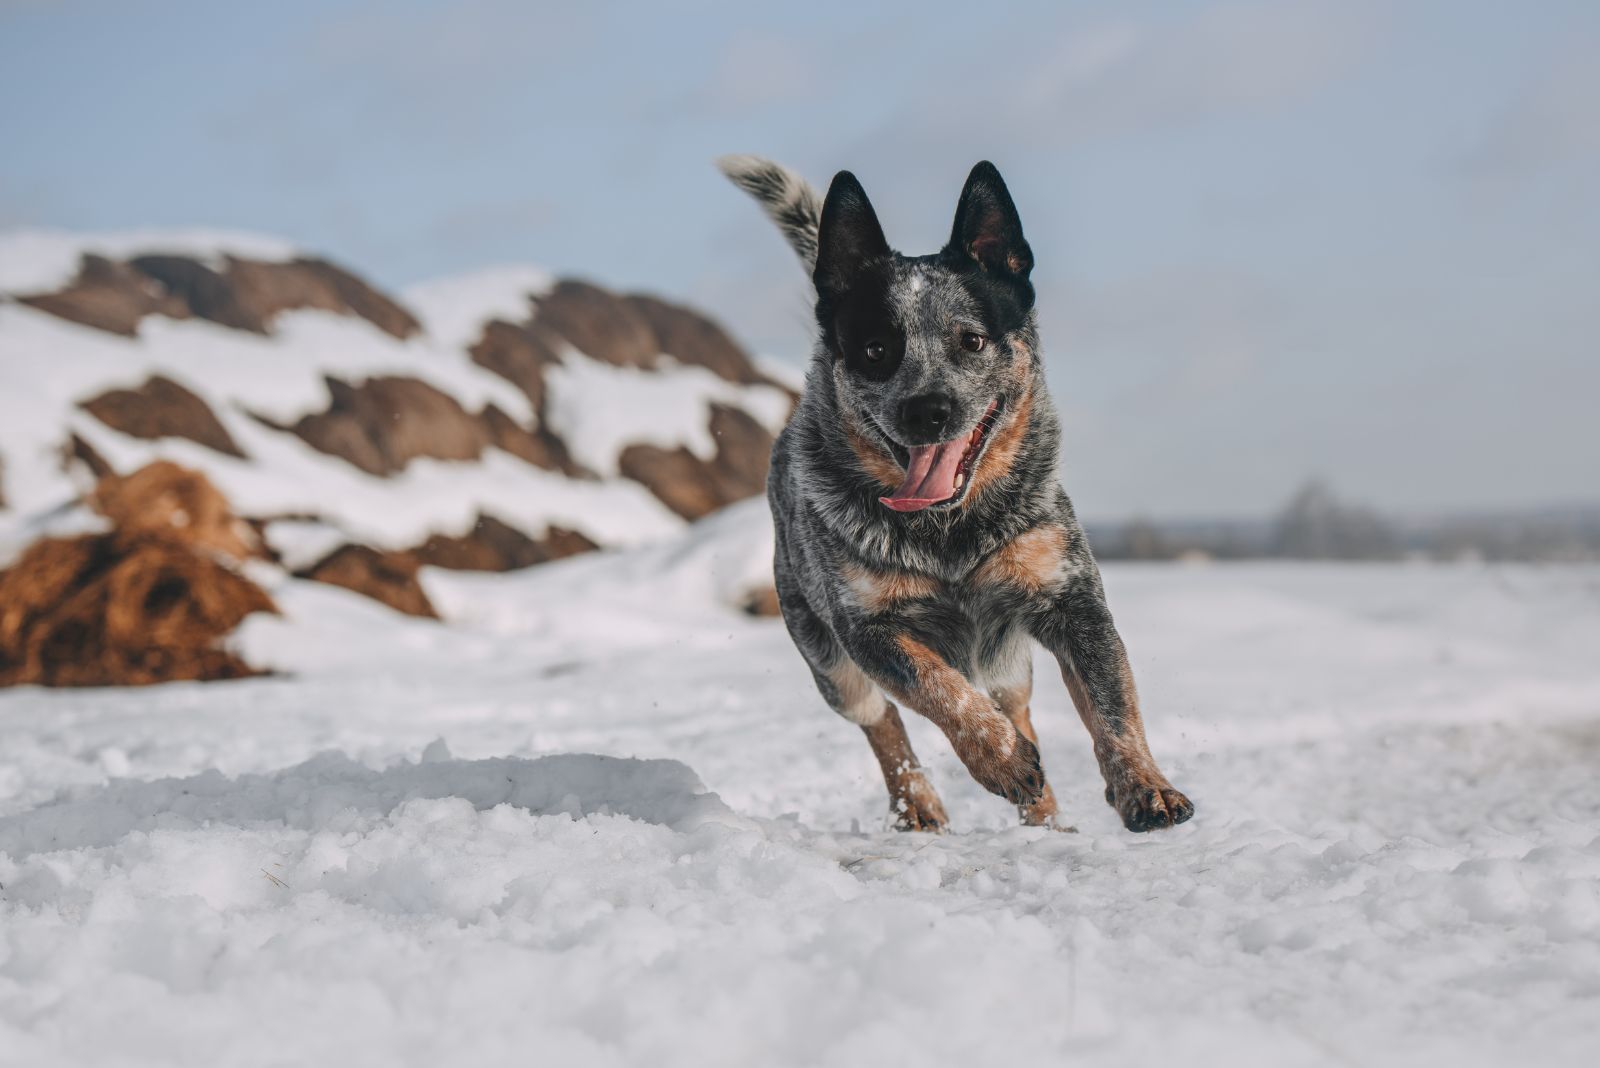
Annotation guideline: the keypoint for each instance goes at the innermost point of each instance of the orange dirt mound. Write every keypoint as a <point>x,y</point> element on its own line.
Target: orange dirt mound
<point>177,504</point>
<point>120,610</point>
<point>148,602</point>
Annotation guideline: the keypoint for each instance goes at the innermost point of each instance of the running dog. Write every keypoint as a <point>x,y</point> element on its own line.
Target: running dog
<point>923,540</point>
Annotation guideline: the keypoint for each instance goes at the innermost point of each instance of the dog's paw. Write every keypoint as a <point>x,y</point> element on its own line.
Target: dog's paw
<point>1015,776</point>
<point>1146,806</point>
<point>1043,812</point>
<point>919,818</point>
<point>918,809</point>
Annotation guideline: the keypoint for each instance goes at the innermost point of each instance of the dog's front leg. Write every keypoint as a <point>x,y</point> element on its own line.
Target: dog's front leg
<point>1076,626</point>
<point>1003,760</point>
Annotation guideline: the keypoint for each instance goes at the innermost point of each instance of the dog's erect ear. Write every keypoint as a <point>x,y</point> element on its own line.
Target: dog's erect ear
<point>987,227</point>
<point>848,236</point>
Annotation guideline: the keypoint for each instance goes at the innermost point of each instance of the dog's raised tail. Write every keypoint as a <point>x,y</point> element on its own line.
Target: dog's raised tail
<point>787,198</point>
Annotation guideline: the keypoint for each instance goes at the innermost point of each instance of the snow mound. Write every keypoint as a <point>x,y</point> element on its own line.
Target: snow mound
<point>308,795</point>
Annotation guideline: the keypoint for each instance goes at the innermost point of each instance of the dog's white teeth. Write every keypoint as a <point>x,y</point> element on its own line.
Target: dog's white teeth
<point>961,479</point>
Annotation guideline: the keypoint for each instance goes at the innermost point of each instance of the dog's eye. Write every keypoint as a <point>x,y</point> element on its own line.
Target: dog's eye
<point>875,351</point>
<point>973,342</point>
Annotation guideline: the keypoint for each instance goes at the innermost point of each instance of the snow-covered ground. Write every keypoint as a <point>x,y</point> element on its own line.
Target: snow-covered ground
<point>482,842</point>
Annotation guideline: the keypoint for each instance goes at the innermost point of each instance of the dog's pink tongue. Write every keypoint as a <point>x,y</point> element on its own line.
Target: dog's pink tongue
<point>930,476</point>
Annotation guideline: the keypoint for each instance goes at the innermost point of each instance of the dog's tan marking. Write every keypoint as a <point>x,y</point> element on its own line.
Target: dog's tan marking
<point>1013,703</point>
<point>996,462</point>
<point>859,700</point>
<point>912,798</point>
<point>994,752</point>
<point>877,463</point>
<point>879,591</point>
<point>1031,561</point>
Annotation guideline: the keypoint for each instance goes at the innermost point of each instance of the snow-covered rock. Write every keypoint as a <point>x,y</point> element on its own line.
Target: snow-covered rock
<point>304,393</point>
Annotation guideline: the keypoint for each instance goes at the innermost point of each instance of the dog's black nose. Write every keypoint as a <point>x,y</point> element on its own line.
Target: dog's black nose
<point>926,418</point>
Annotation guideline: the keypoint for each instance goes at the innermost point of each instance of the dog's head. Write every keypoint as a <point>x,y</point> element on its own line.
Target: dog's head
<point>931,354</point>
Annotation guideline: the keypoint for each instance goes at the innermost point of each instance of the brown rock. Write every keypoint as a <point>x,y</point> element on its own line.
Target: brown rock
<point>598,323</point>
<point>161,408</point>
<point>204,292</point>
<point>494,545</point>
<point>517,354</point>
<point>744,452</point>
<point>384,423</point>
<point>264,289</point>
<point>693,487</point>
<point>681,480</point>
<point>110,296</point>
<point>539,448</point>
<point>164,500</point>
<point>120,609</point>
<point>691,338</point>
<point>390,577</point>
<point>245,294</point>
<point>76,450</point>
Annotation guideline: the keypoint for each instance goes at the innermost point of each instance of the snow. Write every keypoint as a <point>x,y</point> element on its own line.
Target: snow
<point>43,261</point>
<point>599,409</point>
<point>481,841</point>
<point>453,310</point>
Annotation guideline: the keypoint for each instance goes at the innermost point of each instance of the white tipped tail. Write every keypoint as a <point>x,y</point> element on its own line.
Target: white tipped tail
<point>788,199</point>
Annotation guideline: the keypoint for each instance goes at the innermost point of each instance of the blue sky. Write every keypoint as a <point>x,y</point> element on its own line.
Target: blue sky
<point>1273,239</point>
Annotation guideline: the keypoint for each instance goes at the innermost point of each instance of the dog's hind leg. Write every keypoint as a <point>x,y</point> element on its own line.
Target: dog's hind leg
<point>1008,677</point>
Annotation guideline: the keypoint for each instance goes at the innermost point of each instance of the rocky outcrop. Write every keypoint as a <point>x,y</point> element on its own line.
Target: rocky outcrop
<point>161,408</point>
<point>150,601</point>
<point>244,294</point>
<point>538,447</point>
<point>494,545</point>
<point>381,424</point>
<point>110,296</point>
<point>78,451</point>
<point>693,487</point>
<point>597,323</point>
<point>386,576</point>
<point>384,423</point>
<point>691,338</point>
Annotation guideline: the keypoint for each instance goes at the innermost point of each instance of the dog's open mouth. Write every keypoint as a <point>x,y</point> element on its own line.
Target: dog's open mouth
<point>938,473</point>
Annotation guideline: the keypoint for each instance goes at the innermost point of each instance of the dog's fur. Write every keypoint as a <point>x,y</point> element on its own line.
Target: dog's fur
<point>936,605</point>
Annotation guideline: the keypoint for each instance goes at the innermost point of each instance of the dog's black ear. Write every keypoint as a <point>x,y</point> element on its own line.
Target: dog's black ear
<point>988,228</point>
<point>848,237</point>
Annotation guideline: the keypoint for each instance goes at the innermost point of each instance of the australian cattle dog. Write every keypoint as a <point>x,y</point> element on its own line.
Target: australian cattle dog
<point>923,539</point>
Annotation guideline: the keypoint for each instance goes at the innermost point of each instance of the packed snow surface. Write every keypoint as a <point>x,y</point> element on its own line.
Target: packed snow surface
<point>481,842</point>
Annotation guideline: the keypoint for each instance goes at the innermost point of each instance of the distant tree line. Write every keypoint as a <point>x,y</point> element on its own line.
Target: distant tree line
<point>1317,525</point>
